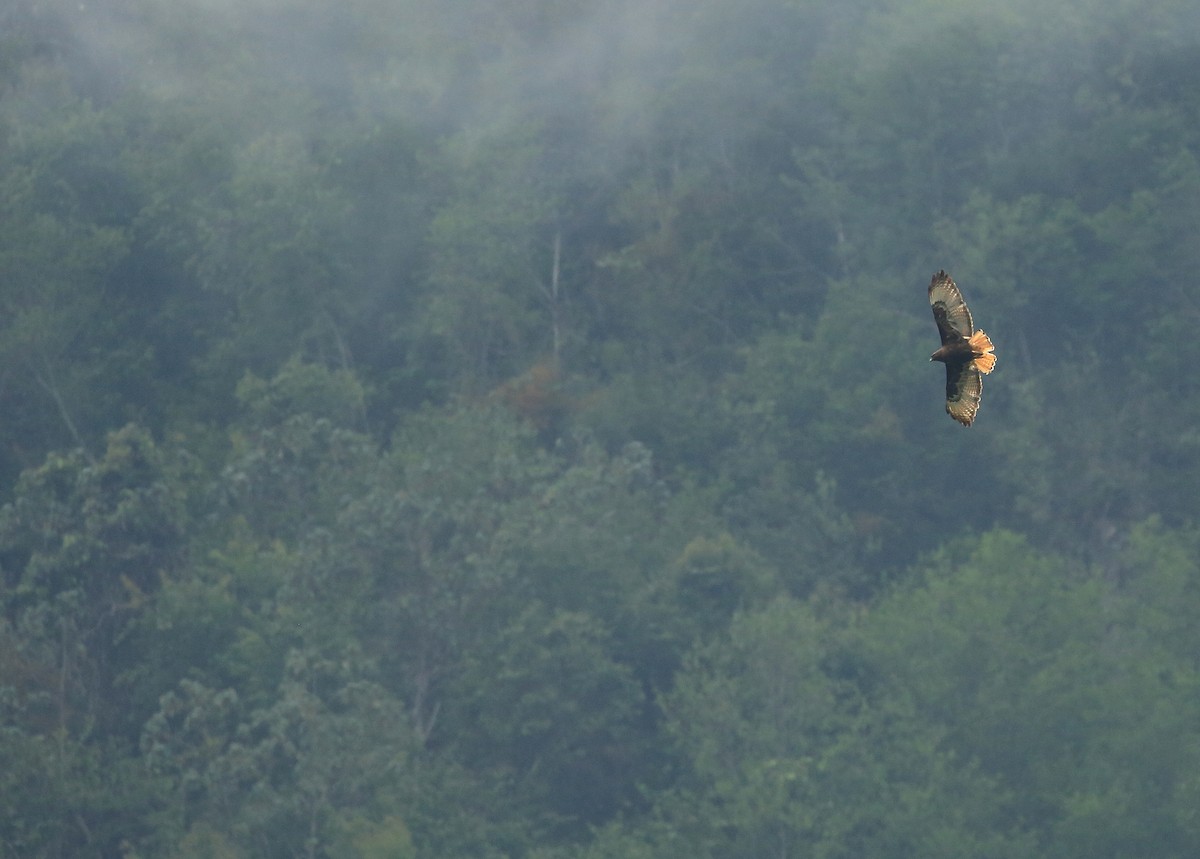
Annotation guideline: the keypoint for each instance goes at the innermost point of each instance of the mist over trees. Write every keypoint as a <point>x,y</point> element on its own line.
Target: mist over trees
<point>504,429</point>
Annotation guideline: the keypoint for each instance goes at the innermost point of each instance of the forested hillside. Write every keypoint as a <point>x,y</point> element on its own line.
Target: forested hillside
<point>504,428</point>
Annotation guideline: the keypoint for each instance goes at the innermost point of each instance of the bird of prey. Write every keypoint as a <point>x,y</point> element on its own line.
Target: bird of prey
<point>967,353</point>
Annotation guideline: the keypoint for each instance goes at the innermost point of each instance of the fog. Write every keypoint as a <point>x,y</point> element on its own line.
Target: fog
<point>460,60</point>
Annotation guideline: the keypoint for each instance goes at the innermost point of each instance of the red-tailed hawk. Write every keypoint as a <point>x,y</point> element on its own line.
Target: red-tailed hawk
<point>967,353</point>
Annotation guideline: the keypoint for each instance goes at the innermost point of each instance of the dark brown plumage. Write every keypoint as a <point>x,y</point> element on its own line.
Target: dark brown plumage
<point>968,354</point>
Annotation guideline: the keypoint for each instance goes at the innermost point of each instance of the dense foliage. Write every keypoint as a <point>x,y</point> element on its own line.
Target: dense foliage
<point>504,429</point>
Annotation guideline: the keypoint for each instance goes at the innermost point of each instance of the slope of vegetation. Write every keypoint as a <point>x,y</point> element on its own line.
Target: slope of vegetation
<point>504,429</point>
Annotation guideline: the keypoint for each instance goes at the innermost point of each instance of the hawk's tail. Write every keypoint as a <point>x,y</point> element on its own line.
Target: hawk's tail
<point>981,344</point>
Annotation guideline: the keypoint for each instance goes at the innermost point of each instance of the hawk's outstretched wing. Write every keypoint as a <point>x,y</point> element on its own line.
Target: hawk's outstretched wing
<point>949,310</point>
<point>964,387</point>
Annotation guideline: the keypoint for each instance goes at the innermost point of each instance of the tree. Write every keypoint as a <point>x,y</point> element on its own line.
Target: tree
<point>794,745</point>
<point>294,778</point>
<point>547,708</point>
<point>494,261</point>
<point>85,546</point>
<point>56,258</point>
<point>1062,684</point>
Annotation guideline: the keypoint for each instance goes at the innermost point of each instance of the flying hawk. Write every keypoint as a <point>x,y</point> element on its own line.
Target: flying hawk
<point>968,354</point>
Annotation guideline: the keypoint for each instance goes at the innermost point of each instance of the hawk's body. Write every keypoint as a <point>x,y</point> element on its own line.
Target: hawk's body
<point>968,354</point>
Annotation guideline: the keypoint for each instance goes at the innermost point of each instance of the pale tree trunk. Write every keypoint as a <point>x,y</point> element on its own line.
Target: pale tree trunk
<point>553,299</point>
